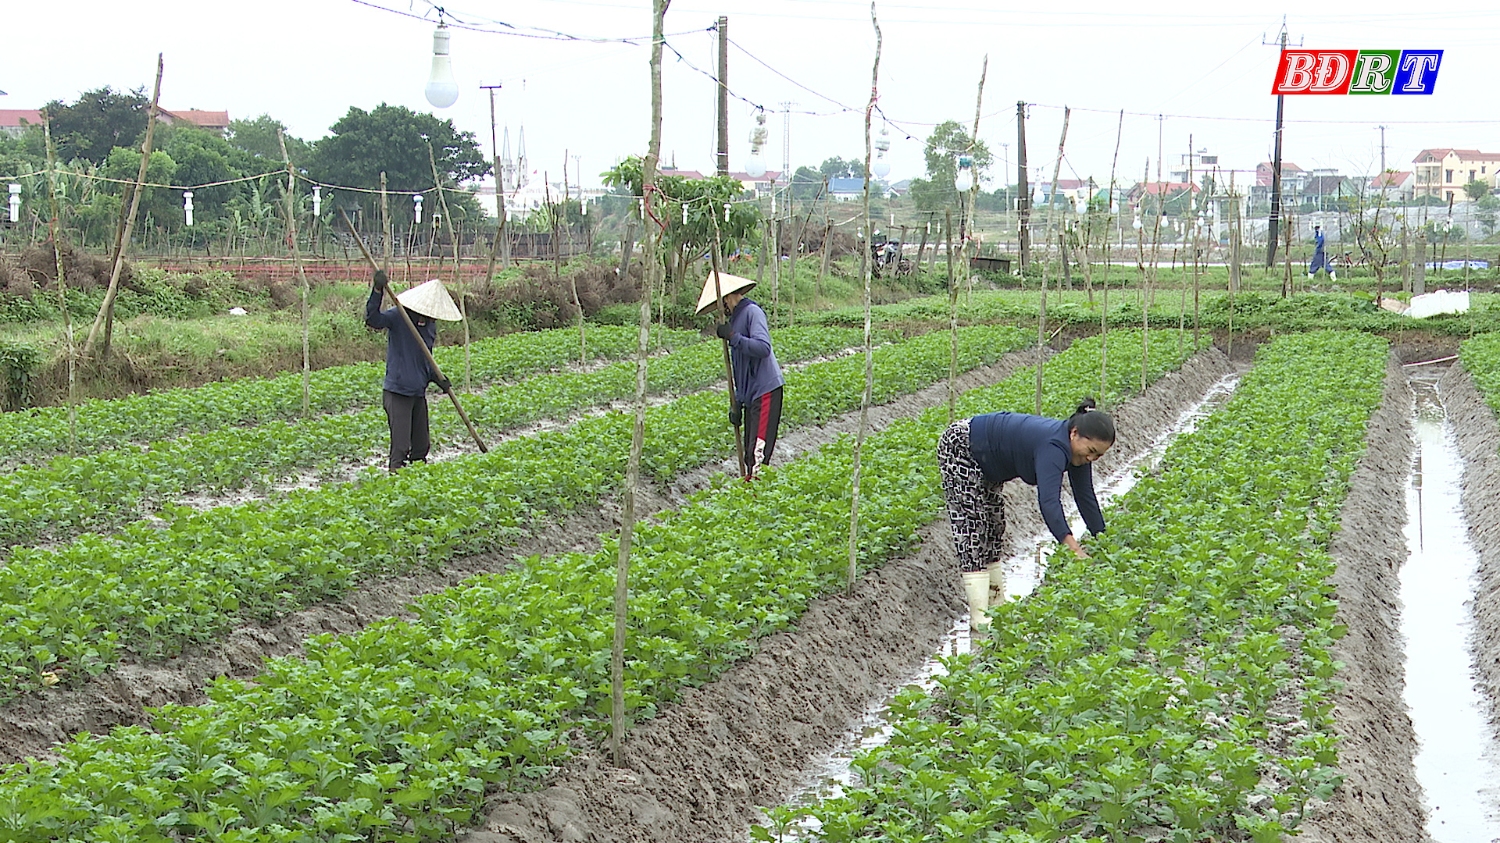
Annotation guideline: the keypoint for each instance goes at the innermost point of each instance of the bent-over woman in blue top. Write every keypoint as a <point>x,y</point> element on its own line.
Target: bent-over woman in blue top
<point>978,455</point>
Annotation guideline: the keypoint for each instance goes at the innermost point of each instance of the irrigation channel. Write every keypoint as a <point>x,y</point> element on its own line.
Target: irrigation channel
<point>831,772</point>
<point>1456,760</point>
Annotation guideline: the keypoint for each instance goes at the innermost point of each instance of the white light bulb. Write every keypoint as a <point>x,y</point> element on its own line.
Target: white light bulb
<point>964,180</point>
<point>187,205</point>
<point>317,200</point>
<point>416,202</point>
<point>15,202</point>
<point>442,90</point>
<point>755,167</point>
<point>881,168</point>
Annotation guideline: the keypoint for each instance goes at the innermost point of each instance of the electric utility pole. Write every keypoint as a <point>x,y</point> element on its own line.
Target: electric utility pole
<point>1273,226</point>
<point>501,244</point>
<point>1023,193</point>
<point>723,157</point>
<point>1382,151</point>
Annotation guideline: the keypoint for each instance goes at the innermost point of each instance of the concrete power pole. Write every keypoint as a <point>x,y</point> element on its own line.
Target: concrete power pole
<point>723,157</point>
<point>1023,193</point>
<point>1273,224</point>
<point>1382,153</point>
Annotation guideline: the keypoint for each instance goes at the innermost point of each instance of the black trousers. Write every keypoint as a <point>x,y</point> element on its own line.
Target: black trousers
<point>762,420</point>
<point>410,438</point>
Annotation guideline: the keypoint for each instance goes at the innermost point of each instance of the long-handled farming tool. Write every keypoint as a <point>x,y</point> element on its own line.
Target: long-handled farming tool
<point>426,352</point>
<point>721,315</point>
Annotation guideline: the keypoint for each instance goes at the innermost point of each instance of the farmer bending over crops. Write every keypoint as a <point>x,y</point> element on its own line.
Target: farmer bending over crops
<point>407,373</point>
<point>757,378</point>
<point>978,455</point>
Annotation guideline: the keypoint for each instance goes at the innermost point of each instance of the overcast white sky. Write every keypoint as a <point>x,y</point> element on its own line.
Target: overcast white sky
<point>306,61</point>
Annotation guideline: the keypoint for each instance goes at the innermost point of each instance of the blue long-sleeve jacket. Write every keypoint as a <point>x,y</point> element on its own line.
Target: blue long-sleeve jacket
<point>406,369</point>
<point>755,369</point>
<point>1318,241</point>
<point>1036,450</point>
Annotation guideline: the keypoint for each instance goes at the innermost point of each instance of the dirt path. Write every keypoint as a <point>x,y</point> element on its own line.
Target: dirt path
<point>699,771</point>
<point>33,724</point>
<point>1380,801</point>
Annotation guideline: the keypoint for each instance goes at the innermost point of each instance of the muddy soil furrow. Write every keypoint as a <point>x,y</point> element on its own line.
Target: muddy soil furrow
<point>1479,443</point>
<point>33,724</point>
<point>1380,799</point>
<point>700,770</point>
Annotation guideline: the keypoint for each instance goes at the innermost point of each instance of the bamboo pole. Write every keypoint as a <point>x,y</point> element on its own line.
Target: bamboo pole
<point>291,233</point>
<point>952,321</point>
<point>458,276</point>
<point>638,428</point>
<point>721,315</point>
<point>864,406</point>
<point>973,218</point>
<point>1041,321</point>
<point>102,330</point>
<point>823,267</point>
<point>421,344</point>
<point>1104,304</point>
<point>62,286</point>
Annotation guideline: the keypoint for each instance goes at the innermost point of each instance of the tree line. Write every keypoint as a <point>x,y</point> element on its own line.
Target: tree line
<point>97,142</point>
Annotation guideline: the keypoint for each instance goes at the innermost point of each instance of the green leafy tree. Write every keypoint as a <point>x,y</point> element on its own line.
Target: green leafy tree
<point>689,236</point>
<point>842,168</point>
<point>257,139</point>
<point>1477,189</point>
<point>807,183</point>
<point>201,158</point>
<point>97,122</point>
<point>393,139</point>
<point>946,143</point>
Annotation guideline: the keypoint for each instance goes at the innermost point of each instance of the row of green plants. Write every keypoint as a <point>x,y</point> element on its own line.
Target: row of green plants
<point>102,491</point>
<point>1251,310</point>
<point>1480,357</point>
<point>43,432</point>
<point>395,733</point>
<point>1179,685</point>
<point>148,589</point>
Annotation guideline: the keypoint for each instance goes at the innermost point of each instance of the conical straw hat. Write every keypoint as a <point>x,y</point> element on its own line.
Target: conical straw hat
<point>727,283</point>
<point>431,299</point>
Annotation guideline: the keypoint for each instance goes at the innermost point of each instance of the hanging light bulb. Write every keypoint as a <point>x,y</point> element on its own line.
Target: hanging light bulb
<point>187,206</point>
<point>442,90</point>
<point>15,202</point>
<point>755,165</point>
<point>965,178</point>
<point>317,200</point>
<point>881,168</point>
<point>416,202</point>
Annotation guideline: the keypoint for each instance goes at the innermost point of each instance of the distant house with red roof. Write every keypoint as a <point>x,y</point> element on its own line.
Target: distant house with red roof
<point>1397,186</point>
<point>1444,172</point>
<point>13,121</point>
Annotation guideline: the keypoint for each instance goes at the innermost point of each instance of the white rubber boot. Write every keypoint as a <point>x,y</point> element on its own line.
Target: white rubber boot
<point>977,586</point>
<point>997,583</point>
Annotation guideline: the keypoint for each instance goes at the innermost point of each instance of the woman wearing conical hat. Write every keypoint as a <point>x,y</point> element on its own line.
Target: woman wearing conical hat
<point>406,371</point>
<point>757,377</point>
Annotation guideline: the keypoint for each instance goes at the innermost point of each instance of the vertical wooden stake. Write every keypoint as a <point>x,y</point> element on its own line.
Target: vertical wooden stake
<point>458,276</point>
<point>952,321</point>
<point>102,330</point>
<point>864,406</point>
<point>291,233</point>
<point>1041,319</point>
<point>638,429</point>
<point>62,285</point>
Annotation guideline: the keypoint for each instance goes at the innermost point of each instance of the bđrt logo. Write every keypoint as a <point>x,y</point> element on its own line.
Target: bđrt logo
<point>1357,72</point>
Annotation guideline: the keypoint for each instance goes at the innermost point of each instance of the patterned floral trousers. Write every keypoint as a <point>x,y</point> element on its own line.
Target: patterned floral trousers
<point>976,510</point>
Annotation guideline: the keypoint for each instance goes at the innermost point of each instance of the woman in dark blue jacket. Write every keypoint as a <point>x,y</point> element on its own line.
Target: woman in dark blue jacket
<point>978,455</point>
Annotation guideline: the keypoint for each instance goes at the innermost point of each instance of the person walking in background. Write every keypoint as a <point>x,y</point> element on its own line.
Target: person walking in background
<point>407,372</point>
<point>977,456</point>
<point>1319,258</point>
<point>758,384</point>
